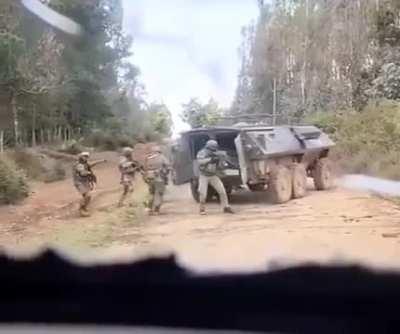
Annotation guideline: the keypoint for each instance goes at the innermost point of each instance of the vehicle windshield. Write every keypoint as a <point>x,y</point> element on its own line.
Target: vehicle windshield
<point>237,135</point>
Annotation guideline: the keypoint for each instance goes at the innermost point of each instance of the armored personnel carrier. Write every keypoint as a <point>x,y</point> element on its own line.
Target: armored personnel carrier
<point>274,159</point>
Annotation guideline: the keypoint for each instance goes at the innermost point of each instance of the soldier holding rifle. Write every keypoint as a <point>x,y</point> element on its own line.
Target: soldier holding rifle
<point>85,180</point>
<point>210,162</point>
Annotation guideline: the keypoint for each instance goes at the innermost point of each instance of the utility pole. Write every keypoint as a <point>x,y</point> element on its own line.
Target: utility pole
<point>274,104</point>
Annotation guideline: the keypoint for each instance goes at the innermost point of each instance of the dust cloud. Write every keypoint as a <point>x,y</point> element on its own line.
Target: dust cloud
<point>371,184</point>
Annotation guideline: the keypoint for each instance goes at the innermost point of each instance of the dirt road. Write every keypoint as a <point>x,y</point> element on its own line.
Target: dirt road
<point>336,225</point>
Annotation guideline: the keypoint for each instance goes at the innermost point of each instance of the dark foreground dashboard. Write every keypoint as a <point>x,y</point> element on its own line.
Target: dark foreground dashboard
<point>157,296</point>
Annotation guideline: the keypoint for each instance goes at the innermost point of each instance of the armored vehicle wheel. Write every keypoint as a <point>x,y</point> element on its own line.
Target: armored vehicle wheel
<point>280,185</point>
<point>257,187</point>
<point>299,181</point>
<point>194,187</point>
<point>322,174</point>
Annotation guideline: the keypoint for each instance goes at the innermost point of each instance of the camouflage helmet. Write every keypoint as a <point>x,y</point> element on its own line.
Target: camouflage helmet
<point>83,155</point>
<point>212,145</point>
<point>126,151</point>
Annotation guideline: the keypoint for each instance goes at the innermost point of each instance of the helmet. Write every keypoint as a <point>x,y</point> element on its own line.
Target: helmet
<point>212,145</point>
<point>126,151</point>
<point>156,149</point>
<point>83,155</point>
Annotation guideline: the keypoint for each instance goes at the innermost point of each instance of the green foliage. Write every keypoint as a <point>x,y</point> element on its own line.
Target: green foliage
<point>37,166</point>
<point>199,115</point>
<point>160,119</point>
<point>13,184</point>
<point>73,147</point>
<point>55,89</point>
<point>108,141</point>
<point>57,172</point>
<point>368,141</point>
<point>28,162</point>
<point>303,57</point>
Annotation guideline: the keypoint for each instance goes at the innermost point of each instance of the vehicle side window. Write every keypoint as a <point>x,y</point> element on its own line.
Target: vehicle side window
<point>197,143</point>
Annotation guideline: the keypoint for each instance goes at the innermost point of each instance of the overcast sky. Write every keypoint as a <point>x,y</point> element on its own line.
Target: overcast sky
<point>187,48</point>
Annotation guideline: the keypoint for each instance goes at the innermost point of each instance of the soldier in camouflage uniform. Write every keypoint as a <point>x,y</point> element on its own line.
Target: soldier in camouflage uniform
<point>127,167</point>
<point>209,161</point>
<point>84,181</point>
<point>155,166</point>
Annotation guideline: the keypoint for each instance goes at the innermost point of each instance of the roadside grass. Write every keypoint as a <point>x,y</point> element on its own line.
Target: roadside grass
<point>104,227</point>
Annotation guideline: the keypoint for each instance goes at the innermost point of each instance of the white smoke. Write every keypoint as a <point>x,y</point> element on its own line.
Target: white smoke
<point>371,184</point>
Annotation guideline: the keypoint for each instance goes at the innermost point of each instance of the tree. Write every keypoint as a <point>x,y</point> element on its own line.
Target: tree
<point>160,118</point>
<point>200,115</point>
<point>309,56</point>
<point>53,87</point>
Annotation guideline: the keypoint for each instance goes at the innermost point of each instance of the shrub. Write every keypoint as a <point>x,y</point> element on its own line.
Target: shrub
<point>29,162</point>
<point>38,166</point>
<point>107,141</point>
<point>72,147</point>
<point>367,142</point>
<point>55,173</point>
<point>13,183</point>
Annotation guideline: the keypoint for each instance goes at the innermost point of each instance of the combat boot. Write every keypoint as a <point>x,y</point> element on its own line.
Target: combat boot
<point>156,211</point>
<point>229,210</point>
<point>84,213</point>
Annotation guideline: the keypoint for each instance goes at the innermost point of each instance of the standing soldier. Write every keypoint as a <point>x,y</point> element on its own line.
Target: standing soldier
<point>84,180</point>
<point>127,167</point>
<point>209,163</point>
<point>155,166</point>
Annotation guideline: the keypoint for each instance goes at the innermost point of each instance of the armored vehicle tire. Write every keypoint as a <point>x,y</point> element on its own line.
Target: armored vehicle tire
<point>194,187</point>
<point>280,185</point>
<point>257,187</point>
<point>299,181</point>
<point>322,174</point>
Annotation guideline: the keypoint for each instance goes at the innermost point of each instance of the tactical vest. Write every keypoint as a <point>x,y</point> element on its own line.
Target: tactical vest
<point>76,176</point>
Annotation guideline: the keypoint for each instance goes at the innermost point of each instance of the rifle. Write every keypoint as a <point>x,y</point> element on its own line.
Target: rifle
<point>222,159</point>
<point>92,177</point>
<point>96,162</point>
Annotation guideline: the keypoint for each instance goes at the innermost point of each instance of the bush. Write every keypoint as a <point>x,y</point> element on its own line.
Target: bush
<point>13,183</point>
<point>107,141</point>
<point>72,147</point>
<point>55,173</point>
<point>38,166</point>
<point>367,142</point>
<point>29,162</point>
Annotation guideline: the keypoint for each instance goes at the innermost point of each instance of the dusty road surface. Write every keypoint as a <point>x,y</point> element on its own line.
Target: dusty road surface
<point>332,226</point>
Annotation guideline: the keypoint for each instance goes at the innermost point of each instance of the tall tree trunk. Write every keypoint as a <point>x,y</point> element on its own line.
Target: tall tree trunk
<point>14,110</point>
<point>274,104</point>
<point>71,133</point>
<point>41,136</point>
<point>305,60</point>
<point>34,125</point>
<point>1,141</point>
